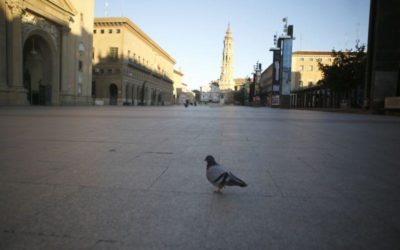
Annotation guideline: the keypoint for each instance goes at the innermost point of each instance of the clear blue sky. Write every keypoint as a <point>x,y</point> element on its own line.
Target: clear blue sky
<point>192,31</point>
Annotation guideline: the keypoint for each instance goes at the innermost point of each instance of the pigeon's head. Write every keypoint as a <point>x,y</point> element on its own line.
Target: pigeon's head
<point>210,161</point>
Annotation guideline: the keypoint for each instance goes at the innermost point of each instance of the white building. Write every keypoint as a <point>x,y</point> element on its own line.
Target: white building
<point>185,93</point>
<point>210,93</point>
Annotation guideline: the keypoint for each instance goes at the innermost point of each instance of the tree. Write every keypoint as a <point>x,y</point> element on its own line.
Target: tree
<point>347,72</point>
<point>238,96</point>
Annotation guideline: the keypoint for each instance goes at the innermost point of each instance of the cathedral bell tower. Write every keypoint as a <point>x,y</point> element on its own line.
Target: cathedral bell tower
<point>226,81</point>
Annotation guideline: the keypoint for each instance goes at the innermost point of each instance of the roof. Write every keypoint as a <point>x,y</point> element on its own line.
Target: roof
<point>178,72</point>
<point>313,53</point>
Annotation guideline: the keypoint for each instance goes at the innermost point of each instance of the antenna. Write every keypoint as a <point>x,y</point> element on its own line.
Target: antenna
<point>105,8</point>
<point>285,27</point>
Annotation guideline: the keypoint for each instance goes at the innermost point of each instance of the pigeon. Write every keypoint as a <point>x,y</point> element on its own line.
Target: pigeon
<point>220,177</point>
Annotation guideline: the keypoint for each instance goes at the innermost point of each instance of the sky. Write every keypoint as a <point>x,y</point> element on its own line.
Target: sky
<point>192,31</point>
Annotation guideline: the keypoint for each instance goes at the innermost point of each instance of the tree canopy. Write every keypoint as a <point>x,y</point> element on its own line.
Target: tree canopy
<point>347,70</point>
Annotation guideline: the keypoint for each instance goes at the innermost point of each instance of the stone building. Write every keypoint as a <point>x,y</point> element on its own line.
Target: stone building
<point>178,85</point>
<point>306,90</point>
<point>266,86</point>
<point>128,66</point>
<point>226,81</point>
<point>210,93</point>
<point>305,70</point>
<point>239,82</point>
<point>45,52</point>
<point>185,94</point>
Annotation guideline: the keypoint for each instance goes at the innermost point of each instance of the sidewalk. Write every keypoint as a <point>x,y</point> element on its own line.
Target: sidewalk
<point>134,178</point>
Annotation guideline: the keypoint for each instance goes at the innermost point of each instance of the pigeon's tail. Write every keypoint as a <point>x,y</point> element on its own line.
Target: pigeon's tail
<point>235,181</point>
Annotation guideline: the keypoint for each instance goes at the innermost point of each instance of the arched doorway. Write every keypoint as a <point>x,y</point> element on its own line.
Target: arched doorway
<point>38,71</point>
<point>113,94</point>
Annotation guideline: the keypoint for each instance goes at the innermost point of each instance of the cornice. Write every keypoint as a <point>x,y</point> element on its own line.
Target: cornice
<point>60,14</point>
<point>123,21</point>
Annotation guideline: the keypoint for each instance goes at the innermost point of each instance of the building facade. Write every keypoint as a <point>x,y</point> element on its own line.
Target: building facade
<point>383,67</point>
<point>239,82</point>
<point>306,76</point>
<point>305,69</point>
<point>45,52</point>
<point>226,81</point>
<point>266,86</point>
<point>185,95</point>
<point>129,67</point>
<point>210,93</point>
<point>178,85</point>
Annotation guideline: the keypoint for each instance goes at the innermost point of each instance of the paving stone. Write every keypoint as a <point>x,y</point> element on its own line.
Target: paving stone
<point>134,178</point>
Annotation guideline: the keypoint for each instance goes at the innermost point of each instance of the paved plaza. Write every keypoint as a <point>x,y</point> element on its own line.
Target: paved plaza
<point>134,178</point>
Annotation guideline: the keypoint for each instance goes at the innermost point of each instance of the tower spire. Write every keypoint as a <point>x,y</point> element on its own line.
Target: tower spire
<point>226,81</point>
<point>228,30</point>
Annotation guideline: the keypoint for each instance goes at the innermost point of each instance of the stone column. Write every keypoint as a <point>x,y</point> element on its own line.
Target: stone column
<point>15,49</point>
<point>66,88</point>
<point>149,96</point>
<point>3,48</point>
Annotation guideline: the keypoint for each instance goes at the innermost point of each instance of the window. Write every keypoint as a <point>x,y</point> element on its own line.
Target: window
<point>81,48</point>
<point>92,53</point>
<point>113,53</point>
<point>80,66</point>
<point>310,84</point>
<point>301,67</point>
<point>301,59</point>
<point>109,71</point>
<point>311,59</point>
<point>319,59</point>
<point>310,68</point>
<point>118,31</point>
<point>94,31</point>
<point>102,31</point>
<point>110,31</point>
